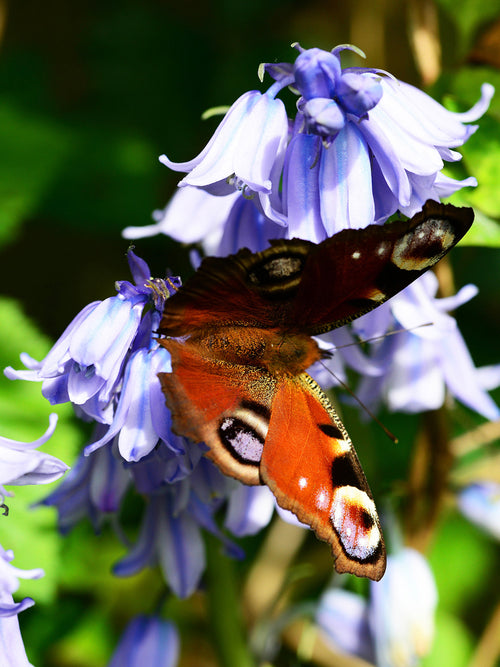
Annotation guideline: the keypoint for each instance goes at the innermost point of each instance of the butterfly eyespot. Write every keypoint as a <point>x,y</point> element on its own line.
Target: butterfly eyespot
<point>244,443</point>
<point>353,517</point>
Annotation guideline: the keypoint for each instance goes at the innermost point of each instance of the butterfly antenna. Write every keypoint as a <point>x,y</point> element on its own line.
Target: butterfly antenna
<point>388,333</point>
<point>384,428</point>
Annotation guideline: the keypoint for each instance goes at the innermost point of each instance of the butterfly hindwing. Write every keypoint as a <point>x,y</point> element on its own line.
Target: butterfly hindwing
<point>227,406</point>
<point>310,465</point>
<point>357,270</point>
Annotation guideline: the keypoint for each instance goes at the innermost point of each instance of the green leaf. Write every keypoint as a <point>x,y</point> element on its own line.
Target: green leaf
<point>468,16</point>
<point>32,150</point>
<point>485,232</point>
<point>459,542</point>
<point>481,152</point>
<point>453,643</point>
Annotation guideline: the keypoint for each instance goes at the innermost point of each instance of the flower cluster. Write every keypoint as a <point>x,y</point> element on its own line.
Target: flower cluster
<point>361,146</point>
<point>106,363</point>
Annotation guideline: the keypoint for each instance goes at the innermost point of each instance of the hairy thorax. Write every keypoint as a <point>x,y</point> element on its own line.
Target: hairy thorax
<point>278,351</point>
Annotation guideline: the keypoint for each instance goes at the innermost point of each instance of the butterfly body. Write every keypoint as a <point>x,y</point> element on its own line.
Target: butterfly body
<point>238,380</point>
<point>278,351</point>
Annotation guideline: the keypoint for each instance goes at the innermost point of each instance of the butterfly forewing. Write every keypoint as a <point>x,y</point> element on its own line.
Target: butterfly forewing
<point>246,289</point>
<point>310,465</point>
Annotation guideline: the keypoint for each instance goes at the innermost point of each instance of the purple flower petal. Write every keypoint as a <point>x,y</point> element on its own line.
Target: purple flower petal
<point>247,227</point>
<point>147,640</point>
<point>191,215</point>
<point>138,268</point>
<point>359,92</point>
<point>54,362</point>
<point>12,652</point>
<point>102,340</point>
<point>249,509</point>
<point>342,616</point>
<point>345,182</point>
<point>21,465</point>
<point>181,551</point>
<point>262,144</point>
<point>402,609</point>
<point>480,503</point>
<point>302,189</point>
<point>316,73</point>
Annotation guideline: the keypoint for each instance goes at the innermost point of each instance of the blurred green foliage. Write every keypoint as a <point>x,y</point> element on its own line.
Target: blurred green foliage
<point>90,94</point>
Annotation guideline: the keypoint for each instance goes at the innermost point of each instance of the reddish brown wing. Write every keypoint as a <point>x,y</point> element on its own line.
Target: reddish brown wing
<point>299,286</point>
<point>227,290</point>
<point>373,264</point>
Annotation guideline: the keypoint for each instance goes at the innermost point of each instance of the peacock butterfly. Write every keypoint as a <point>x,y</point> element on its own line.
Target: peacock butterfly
<point>239,335</point>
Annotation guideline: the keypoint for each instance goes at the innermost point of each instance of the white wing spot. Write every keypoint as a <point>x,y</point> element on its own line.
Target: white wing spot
<point>356,255</point>
<point>322,499</point>
<point>381,250</point>
<point>302,482</point>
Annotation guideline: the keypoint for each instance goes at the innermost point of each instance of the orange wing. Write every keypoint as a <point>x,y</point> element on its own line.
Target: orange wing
<point>281,431</point>
<point>223,404</point>
<point>310,465</point>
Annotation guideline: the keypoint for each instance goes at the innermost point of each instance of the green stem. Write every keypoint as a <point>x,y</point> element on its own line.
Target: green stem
<point>224,607</point>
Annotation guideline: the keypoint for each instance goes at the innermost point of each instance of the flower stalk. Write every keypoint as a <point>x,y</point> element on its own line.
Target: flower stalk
<point>224,607</point>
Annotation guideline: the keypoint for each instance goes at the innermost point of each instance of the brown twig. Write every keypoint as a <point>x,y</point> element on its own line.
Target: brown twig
<point>488,648</point>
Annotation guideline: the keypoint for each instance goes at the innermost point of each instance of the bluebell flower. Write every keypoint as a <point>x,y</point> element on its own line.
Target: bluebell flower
<point>132,447</point>
<point>93,489</point>
<point>12,653</point>
<point>222,225</point>
<point>147,640</point>
<point>86,363</point>
<point>480,503</point>
<point>246,152</point>
<point>420,362</point>
<point>395,627</point>
<point>174,515</point>
<point>361,146</point>
<point>402,609</point>
<point>21,463</point>
<point>343,618</point>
